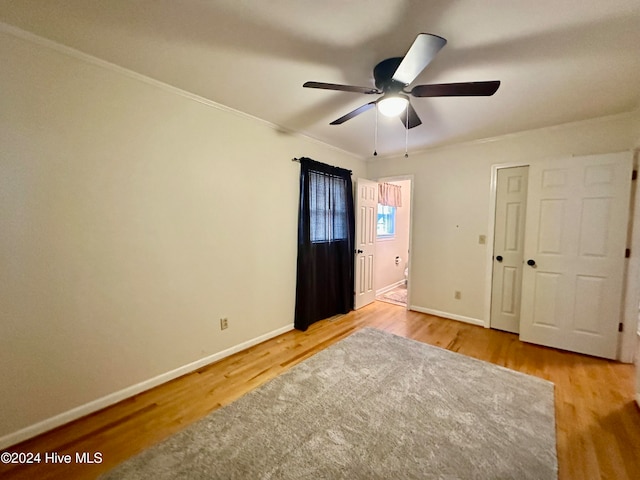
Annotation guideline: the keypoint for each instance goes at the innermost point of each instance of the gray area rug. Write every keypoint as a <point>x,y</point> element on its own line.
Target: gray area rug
<point>372,406</point>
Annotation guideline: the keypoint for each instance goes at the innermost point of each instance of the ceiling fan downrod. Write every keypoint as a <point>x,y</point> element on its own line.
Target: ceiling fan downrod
<point>375,137</point>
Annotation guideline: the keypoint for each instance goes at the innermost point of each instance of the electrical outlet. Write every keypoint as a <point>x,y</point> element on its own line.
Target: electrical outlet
<point>224,323</point>
<point>457,295</point>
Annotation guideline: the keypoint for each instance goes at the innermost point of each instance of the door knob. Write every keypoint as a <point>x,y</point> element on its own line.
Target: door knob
<point>499,258</point>
<point>359,251</point>
<point>531,263</point>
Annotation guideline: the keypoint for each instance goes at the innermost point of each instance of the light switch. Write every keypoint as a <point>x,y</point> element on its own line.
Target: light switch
<point>482,239</point>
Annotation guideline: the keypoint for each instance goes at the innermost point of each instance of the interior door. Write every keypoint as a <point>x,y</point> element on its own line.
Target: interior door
<point>366,207</point>
<point>508,248</point>
<point>576,229</point>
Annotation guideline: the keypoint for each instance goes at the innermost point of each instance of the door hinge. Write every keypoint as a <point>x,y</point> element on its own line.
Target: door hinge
<point>620,327</point>
<point>627,252</point>
<point>634,175</point>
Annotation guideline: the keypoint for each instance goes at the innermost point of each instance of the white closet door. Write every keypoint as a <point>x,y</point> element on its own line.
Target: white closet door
<point>508,248</point>
<point>575,240</point>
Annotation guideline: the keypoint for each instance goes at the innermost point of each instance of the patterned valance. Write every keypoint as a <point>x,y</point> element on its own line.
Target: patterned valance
<point>389,194</point>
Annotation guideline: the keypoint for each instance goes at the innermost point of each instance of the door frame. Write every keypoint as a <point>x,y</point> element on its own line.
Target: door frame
<point>631,288</point>
<point>411,178</point>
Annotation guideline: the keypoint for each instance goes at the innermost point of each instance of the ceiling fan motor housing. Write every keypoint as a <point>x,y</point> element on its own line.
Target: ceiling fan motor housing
<point>383,73</point>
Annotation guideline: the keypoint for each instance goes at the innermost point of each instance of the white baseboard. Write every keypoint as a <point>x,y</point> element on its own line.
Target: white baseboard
<point>389,287</point>
<point>452,316</point>
<point>115,397</point>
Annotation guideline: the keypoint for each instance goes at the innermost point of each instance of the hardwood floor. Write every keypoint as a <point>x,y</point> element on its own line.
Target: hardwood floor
<point>597,421</point>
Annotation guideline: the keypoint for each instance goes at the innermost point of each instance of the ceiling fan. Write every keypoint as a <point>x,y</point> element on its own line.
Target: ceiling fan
<point>393,75</point>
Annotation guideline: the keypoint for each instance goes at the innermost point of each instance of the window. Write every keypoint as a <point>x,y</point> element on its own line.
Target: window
<point>327,207</point>
<point>386,226</point>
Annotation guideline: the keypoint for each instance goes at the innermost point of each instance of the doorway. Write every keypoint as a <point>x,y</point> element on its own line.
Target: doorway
<point>392,247</point>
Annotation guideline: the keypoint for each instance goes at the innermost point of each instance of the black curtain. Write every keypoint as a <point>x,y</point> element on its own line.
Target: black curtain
<point>325,243</point>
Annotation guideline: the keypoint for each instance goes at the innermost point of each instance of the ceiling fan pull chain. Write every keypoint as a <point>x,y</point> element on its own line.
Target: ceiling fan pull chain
<point>406,135</point>
<point>375,140</point>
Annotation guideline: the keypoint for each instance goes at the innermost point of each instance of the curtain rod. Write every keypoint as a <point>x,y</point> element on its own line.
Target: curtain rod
<point>294,159</point>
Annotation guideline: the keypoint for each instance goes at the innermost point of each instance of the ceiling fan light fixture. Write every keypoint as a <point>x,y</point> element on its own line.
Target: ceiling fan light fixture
<point>392,105</point>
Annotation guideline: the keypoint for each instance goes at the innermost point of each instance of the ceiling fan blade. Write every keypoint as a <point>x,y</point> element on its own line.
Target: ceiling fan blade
<point>424,49</point>
<point>413,120</point>
<point>464,89</point>
<point>342,88</point>
<point>353,113</point>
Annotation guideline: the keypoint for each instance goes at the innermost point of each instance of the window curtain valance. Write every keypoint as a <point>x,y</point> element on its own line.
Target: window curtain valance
<point>389,194</point>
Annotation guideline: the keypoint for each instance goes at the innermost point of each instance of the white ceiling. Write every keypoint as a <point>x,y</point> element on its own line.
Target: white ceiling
<point>559,60</point>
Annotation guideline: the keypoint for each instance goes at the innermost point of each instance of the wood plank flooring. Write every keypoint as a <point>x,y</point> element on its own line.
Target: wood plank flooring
<point>597,420</point>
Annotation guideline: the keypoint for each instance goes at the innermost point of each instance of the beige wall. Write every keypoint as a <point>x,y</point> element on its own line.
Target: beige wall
<point>451,205</point>
<point>387,273</point>
<point>635,125</point>
<point>133,218</point>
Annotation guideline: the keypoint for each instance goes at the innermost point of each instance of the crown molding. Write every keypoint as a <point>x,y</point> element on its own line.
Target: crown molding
<point>595,120</point>
<point>88,58</point>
